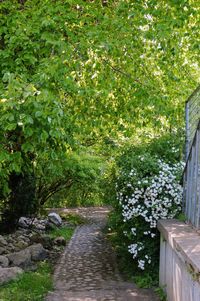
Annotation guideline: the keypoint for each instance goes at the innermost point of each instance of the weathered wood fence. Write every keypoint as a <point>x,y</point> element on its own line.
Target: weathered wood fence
<point>191,199</point>
<point>180,243</point>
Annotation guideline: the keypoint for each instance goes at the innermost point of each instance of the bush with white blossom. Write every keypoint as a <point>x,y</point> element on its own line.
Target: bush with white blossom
<point>147,190</point>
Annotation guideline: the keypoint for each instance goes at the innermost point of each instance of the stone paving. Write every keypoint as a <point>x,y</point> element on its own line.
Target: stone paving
<point>87,270</point>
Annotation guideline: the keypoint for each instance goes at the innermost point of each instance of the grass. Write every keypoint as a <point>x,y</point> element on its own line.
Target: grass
<point>73,218</point>
<point>33,286</point>
<point>30,286</point>
<point>64,231</point>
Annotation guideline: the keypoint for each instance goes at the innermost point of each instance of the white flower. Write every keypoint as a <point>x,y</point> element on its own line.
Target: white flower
<point>161,198</point>
<point>141,264</point>
<point>133,230</point>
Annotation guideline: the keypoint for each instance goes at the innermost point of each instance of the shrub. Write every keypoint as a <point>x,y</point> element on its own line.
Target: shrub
<point>147,189</point>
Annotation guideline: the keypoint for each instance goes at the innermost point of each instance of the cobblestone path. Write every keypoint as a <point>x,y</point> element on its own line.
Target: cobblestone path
<point>87,270</point>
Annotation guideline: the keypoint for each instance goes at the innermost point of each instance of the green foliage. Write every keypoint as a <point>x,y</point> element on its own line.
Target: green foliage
<point>73,218</point>
<point>84,173</point>
<point>29,286</point>
<point>168,147</point>
<point>161,293</point>
<point>66,232</point>
<point>109,86</point>
<point>181,217</point>
<point>34,285</point>
<point>147,189</point>
<point>69,86</point>
<point>145,280</point>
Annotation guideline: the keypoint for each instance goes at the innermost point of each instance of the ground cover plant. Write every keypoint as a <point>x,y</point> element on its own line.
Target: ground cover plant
<point>63,231</point>
<point>34,285</point>
<point>73,218</point>
<point>29,286</point>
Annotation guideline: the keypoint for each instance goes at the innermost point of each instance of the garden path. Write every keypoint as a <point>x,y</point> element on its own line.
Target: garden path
<point>87,270</point>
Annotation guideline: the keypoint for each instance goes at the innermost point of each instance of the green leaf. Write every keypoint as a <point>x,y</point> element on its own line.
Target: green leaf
<point>44,135</point>
<point>27,147</point>
<point>38,114</point>
<point>29,120</point>
<point>3,156</point>
<point>10,126</point>
<point>28,132</point>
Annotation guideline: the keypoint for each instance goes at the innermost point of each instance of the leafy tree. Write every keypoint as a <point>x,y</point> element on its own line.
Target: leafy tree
<point>83,76</point>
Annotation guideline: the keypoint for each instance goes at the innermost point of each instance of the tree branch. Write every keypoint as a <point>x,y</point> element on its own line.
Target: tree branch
<point>128,75</point>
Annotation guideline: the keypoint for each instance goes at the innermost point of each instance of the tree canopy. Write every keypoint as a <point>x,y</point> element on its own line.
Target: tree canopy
<point>78,76</point>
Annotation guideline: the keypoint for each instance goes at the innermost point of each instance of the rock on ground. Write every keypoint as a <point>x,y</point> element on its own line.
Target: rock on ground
<point>4,262</point>
<point>55,218</point>
<point>37,252</point>
<point>25,258</point>
<point>45,240</point>
<point>24,222</point>
<point>2,250</point>
<point>3,242</point>
<point>20,259</point>
<point>8,274</point>
<point>60,241</point>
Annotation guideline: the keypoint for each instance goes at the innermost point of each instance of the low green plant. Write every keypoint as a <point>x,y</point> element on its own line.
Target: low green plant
<point>145,280</point>
<point>161,293</point>
<point>33,286</point>
<point>73,218</point>
<point>30,286</point>
<point>181,217</point>
<point>64,231</point>
<point>142,279</point>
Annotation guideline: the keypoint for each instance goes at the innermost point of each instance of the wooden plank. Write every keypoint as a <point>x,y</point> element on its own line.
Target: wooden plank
<point>192,183</point>
<point>189,185</point>
<point>198,184</point>
<point>192,117</point>
<point>186,290</point>
<point>196,200</point>
<point>169,272</point>
<point>195,181</point>
<point>187,189</point>
<point>187,129</point>
<point>196,296</point>
<point>177,277</point>
<point>184,191</point>
<point>163,266</point>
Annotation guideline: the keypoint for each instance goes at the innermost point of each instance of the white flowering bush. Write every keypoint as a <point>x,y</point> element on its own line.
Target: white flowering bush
<point>147,190</point>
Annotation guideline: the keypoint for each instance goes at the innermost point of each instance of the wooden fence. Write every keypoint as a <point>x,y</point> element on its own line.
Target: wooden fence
<point>192,181</point>
<point>192,118</point>
<point>192,168</point>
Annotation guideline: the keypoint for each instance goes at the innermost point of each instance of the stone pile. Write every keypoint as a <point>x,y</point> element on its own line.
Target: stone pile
<point>53,220</point>
<point>20,251</point>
